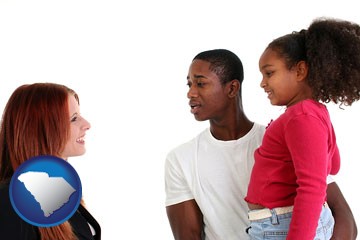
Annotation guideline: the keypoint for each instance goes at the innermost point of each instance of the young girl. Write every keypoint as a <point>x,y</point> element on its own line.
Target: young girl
<point>287,190</point>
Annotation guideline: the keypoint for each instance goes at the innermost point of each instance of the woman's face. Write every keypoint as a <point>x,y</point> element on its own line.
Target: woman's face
<point>75,145</point>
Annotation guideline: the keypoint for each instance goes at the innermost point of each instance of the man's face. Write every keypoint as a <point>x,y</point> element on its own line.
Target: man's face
<point>207,95</point>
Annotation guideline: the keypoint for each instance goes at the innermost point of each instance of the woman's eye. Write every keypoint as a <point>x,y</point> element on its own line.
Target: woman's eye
<point>74,119</point>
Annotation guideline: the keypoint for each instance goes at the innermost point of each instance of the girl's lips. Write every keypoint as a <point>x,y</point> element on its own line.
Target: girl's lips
<point>269,93</point>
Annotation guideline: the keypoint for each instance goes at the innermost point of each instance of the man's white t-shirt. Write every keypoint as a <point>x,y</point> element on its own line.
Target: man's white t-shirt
<point>216,174</point>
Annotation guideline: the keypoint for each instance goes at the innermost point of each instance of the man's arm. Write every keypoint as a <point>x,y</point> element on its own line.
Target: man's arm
<point>345,225</point>
<point>186,220</point>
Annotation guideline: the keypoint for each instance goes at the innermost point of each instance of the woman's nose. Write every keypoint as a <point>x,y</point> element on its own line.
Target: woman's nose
<point>87,125</point>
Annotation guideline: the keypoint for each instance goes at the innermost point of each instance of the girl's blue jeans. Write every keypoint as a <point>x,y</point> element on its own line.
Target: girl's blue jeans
<point>276,227</point>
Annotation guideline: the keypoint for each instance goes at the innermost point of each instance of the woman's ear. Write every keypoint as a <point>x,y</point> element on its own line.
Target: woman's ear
<point>302,70</point>
<point>234,87</point>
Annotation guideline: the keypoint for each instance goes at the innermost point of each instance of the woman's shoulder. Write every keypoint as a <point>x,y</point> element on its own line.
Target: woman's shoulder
<point>84,224</point>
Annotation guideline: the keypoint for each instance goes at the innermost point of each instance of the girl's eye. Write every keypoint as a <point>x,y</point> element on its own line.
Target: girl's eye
<point>269,73</point>
<point>74,119</point>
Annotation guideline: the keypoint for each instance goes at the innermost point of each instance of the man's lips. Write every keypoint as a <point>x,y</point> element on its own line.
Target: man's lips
<point>194,106</point>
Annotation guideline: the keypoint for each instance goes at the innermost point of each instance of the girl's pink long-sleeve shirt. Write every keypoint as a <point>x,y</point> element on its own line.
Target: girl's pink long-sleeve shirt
<point>298,151</point>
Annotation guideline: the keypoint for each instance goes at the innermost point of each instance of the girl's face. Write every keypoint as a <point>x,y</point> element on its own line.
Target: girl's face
<point>283,86</point>
<point>75,145</point>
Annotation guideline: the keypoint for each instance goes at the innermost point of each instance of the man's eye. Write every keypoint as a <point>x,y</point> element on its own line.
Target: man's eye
<point>200,84</point>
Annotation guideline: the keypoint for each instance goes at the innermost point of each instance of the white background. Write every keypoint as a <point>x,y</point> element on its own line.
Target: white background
<point>128,61</point>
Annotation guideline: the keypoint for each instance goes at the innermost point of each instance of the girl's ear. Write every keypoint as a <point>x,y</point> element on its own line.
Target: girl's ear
<point>233,88</point>
<point>302,70</point>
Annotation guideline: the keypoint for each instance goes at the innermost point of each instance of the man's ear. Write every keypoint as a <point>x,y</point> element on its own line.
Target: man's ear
<point>302,70</point>
<point>234,87</point>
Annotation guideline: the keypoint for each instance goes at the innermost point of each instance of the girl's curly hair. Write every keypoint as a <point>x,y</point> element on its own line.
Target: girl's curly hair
<point>331,48</point>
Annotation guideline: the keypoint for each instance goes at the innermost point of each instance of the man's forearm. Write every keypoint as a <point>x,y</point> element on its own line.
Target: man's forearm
<point>345,226</point>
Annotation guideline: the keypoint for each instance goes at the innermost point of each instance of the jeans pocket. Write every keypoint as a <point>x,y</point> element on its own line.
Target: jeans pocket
<point>278,235</point>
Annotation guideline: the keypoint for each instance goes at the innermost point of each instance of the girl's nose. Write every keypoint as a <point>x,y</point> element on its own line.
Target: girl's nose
<point>263,83</point>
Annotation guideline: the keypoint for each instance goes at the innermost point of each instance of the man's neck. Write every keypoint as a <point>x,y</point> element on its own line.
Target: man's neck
<point>231,130</point>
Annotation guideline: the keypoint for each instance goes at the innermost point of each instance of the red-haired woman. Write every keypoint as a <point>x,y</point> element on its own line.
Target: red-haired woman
<point>41,119</point>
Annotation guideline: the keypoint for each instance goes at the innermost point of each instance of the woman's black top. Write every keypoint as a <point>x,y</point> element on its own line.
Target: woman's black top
<point>12,227</point>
